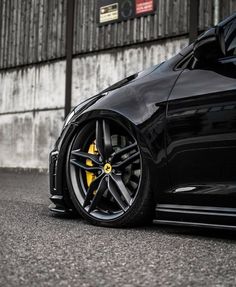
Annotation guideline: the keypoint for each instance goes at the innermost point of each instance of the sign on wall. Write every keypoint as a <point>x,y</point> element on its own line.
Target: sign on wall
<point>144,6</point>
<point>110,11</point>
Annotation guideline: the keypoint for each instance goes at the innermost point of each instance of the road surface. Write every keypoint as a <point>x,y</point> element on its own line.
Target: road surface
<point>38,249</point>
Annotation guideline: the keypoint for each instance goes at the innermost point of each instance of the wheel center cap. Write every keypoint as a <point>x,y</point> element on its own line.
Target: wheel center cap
<point>107,168</point>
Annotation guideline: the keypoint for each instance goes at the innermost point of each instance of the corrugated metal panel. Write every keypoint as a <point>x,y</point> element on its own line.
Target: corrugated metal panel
<point>206,14</point>
<point>31,31</point>
<point>34,30</point>
<point>170,19</point>
<point>227,7</point>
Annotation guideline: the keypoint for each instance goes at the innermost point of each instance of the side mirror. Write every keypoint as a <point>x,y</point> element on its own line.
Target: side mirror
<point>210,46</point>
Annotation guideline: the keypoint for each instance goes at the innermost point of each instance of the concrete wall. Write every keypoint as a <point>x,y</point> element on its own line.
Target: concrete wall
<point>31,114</point>
<point>32,98</point>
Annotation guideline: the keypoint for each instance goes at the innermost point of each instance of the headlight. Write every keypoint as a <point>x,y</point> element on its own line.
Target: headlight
<point>68,118</point>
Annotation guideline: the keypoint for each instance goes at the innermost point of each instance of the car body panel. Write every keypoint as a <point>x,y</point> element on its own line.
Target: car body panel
<point>201,148</point>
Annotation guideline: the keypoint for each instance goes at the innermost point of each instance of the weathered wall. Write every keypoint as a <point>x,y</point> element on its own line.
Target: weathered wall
<point>31,114</point>
<point>32,99</point>
<point>27,137</point>
<point>31,88</point>
<point>32,32</point>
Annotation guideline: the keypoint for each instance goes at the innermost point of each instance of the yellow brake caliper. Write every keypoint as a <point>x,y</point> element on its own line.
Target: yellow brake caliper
<point>90,176</point>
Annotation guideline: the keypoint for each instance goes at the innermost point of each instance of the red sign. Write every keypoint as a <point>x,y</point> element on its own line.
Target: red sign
<point>144,6</point>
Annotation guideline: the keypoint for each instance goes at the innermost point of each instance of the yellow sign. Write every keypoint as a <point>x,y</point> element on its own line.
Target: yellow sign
<point>109,13</point>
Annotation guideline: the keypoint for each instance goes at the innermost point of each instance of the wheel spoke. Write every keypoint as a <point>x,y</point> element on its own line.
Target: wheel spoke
<point>107,139</point>
<point>93,186</point>
<point>84,166</point>
<point>115,194</point>
<point>99,140</point>
<point>94,158</point>
<point>123,151</point>
<point>122,188</point>
<point>99,193</point>
<point>127,161</point>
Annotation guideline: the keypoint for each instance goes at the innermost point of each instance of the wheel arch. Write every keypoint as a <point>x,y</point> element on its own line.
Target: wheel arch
<point>71,131</point>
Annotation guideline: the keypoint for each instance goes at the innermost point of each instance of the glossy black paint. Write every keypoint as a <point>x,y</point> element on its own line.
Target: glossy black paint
<point>183,114</point>
<point>201,125</point>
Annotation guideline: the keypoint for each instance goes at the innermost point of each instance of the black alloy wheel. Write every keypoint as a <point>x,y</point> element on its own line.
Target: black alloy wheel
<point>106,178</point>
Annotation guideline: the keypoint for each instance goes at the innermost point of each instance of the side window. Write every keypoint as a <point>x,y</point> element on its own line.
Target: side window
<point>230,38</point>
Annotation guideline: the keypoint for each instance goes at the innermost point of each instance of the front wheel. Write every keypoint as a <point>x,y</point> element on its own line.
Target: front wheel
<point>107,176</point>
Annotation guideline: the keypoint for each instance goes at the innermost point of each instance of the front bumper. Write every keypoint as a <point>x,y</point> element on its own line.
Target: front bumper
<point>59,204</point>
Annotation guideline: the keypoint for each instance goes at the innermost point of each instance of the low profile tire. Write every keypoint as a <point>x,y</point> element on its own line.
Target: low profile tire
<point>107,176</point>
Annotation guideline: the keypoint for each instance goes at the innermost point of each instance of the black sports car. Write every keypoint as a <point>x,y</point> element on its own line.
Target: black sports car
<point>159,145</point>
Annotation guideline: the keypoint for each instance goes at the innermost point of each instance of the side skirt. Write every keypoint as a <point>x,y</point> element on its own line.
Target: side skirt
<point>201,216</point>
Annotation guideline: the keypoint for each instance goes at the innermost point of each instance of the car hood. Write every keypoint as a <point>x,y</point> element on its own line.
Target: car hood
<point>131,78</point>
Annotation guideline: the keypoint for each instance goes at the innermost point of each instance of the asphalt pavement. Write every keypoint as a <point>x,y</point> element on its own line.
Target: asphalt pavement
<point>38,249</point>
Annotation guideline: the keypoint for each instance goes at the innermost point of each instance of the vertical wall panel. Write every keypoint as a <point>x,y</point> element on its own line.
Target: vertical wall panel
<point>1,22</point>
<point>233,6</point>
<point>31,31</point>
<point>35,31</point>
<point>227,7</point>
<point>6,28</point>
<point>2,31</point>
<point>27,31</point>
<point>45,30</point>
<point>206,14</point>
<point>59,13</point>
<point>55,26</point>
<point>19,31</point>
<point>49,27</point>
<point>40,30</point>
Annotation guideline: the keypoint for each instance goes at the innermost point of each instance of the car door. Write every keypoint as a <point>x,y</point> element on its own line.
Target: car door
<point>201,132</point>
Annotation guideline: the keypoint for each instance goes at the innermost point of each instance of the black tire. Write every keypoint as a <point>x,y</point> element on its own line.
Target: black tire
<point>119,194</point>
